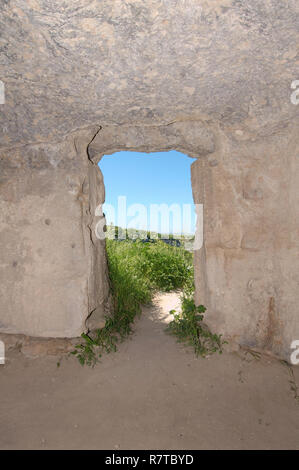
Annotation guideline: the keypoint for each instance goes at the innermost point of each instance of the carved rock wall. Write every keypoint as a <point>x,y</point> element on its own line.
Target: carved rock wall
<point>52,271</point>
<point>246,272</point>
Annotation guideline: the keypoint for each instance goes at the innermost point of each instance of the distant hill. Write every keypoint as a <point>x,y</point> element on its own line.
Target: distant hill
<point>119,233</point>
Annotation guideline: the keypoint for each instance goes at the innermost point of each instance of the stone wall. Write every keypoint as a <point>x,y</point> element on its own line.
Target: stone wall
<point>247,273</point>
<point>54,277</point>
<point>52,269</point>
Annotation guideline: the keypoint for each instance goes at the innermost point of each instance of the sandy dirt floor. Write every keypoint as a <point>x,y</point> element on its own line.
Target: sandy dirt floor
<point>153,393</point>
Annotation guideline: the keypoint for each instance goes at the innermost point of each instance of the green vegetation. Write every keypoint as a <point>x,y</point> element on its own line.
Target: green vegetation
<point>137,270</point>
<point>142,268</point>
<point>189,328</point>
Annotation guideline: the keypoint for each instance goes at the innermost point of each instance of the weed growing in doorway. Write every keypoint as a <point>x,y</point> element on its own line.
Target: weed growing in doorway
<point>189,328</point>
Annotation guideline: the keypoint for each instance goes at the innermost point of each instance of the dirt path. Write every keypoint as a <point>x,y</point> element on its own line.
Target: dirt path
<point>152,394</point>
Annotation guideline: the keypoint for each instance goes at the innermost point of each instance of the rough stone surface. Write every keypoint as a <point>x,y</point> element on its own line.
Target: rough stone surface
<point>246,272</point>
<point>209,78</point>
<point>76,63</point>
<point>49,283</point>
<point>37,347</point>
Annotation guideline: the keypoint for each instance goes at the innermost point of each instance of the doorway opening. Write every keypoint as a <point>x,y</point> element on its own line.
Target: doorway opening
<point>149,193</point>
<point>149,239</point>
<point>151,222</point>
<point>150,226</point>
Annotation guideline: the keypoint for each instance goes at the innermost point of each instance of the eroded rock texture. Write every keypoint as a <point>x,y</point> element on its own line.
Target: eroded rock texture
<point>209,78</point>
<point>53,270</point>
<point>247,272</point>
<point>79,62</point>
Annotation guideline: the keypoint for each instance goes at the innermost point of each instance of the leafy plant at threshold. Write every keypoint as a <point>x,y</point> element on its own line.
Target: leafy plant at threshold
<point>189,328</point>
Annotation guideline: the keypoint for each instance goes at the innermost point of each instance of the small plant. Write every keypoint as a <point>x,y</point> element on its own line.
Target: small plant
<point>89,351</point>
<point>85,352</point>
<point>189,328</point>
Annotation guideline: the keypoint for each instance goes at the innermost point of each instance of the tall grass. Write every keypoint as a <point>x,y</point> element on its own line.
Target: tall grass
<point>148,266</point>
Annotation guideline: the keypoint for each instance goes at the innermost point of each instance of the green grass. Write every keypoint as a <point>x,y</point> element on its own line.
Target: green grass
<point>136,271</point>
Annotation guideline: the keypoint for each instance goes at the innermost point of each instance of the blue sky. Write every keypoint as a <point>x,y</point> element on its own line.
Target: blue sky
<point>155,178</point>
